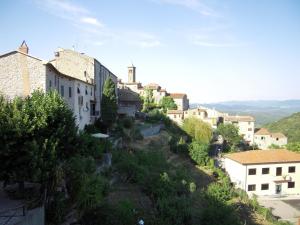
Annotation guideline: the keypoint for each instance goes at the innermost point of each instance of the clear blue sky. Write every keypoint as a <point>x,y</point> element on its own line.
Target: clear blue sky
<point>213,50</point>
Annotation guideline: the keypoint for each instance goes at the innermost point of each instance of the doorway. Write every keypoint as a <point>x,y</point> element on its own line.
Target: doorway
<point>278,189</point>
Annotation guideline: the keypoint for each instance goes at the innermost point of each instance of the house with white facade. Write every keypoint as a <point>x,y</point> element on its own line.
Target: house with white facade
<point>264,139</point>
<point>176,115</point>
<point>245,124</point>
<point>265,172</point>
<point>180,100</point>
<point>79,79</point>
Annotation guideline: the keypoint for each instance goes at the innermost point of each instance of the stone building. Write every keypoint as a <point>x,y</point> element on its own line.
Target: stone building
<point>245,124</point>
<point>264,139</point>
<point>137,87</point>
<point>78,78</point>
<point>129,102</point>
<point>181,100</point>
<point>176,115</point>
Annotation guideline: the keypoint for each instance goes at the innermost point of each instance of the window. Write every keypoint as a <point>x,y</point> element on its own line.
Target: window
<point>91,91</point>
<point>277,139</point>
<point>78,90</point>
<point>70,92</point>
<point>292,169</point>
<point>262,138</point>
<point>252,172</point>
<point>249,129</point>
<point>50,83</point>
<point>251,187</point>
<point>86,91</point>
<point>278,171</point>
<point>264,186</point>
<point>265,170</point>
<point>174,116</point>
<point>62,90</point>
<point>87,106</point>
<point>291,184</point>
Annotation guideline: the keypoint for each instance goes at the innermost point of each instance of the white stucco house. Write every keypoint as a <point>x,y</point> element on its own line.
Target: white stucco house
<point>264,139</point>
<point>245,124</point>
<point>268,172</point>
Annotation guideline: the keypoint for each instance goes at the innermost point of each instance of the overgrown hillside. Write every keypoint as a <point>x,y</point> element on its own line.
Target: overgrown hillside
<point>290,126</point>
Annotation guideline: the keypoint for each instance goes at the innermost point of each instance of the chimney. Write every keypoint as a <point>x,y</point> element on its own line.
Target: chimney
<point>24,48</point>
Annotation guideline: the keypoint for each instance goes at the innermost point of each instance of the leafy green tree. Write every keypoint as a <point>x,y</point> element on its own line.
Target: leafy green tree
<point>148,100</point>
<point>197,129</point>
<point>293,146</point>
<point>230,133</point>
<point>167,103</point>
<point>199,152</point>
<point>109,105</point>
<point>36,134</point>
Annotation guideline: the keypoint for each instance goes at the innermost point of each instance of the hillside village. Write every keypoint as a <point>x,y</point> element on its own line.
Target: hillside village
<point>256,162</point>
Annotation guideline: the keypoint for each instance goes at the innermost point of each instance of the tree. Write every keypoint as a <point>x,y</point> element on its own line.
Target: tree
<point>109,103</point>
<point>294,146</point>
<point>167,103</point>
<point>199,153</point>
<point>36,134</point>
<point>148,100</point>
<point>197,130</point>
<point>230,133</point>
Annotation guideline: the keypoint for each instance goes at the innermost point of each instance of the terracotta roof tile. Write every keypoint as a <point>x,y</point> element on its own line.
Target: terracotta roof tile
<point>262,131</point>
<point>174,112</point>
<point>264,156</point>
<point>177,95</point>
<point>239,118</point>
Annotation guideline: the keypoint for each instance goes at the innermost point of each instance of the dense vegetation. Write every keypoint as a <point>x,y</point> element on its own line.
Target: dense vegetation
<point>289,126</point>
<point>40,143</point>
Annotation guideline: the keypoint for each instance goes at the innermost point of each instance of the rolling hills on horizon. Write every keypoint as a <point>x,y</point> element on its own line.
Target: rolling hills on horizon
<point>264,111</point>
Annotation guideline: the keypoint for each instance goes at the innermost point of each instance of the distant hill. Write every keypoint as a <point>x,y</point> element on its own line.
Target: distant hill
<point>290,126</point>
<point>264,111</point>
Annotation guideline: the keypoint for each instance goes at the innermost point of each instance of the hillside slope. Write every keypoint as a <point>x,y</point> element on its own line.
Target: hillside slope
<point>290,126</point>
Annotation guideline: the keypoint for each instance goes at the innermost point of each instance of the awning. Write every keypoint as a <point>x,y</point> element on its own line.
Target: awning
<point>100,135</point>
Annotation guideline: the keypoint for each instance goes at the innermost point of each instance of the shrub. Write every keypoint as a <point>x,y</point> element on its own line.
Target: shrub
<point>199,153</point>
<point>197,130</point>
<point>220,191</point>
<point>57,209</point>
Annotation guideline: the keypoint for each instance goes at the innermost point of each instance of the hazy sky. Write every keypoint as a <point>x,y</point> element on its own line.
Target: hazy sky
<point>213,50</point>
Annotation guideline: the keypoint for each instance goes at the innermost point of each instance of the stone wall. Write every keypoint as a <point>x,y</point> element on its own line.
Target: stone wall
<point>21,74</point>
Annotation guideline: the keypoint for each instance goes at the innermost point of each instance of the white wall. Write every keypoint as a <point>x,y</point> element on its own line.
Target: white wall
<point>238,174</point>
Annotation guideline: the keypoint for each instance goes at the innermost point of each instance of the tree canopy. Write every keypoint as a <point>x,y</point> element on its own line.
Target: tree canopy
<point>167,103</point>
<point>109,105</point>
<point>230,133</point>
<point>197,130</point>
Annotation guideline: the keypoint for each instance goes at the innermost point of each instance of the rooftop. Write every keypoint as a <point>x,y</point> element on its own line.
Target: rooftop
<point>174,112</point>
<point>177,95</point>
<point>264,157</point>
<point>240,118</point>
<point>262,131</point>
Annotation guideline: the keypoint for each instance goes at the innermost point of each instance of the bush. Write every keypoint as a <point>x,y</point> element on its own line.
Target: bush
<point>105,214</point>
<point>220,191</point>
<point>57,209</point>
<point>127,122</point>
<point>94,188</point>
<point>199,153</point>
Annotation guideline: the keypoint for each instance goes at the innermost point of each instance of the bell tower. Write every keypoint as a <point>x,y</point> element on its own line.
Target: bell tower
<point>24,48</point>
<point>131,74</point>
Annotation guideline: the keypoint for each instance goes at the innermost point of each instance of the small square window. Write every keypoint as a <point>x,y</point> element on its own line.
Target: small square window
<point>264,186</point>
<point>62,90</point>
<point>50,83</point>
<point>278,171</point>
<point>265,170</point>
<point>291,184</point>
<point>292,169</point>
<point>252,172</point>
<point>251,187</point>
<point>70,92</point>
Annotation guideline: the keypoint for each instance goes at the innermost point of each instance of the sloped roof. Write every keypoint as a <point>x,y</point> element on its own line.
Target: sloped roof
<point>262,131</point>
<point>239,118</point>
<point>177,95</point>
<point>127,95</point>
<point>264,156</point>
<point>278,135</point>
<point>174,112</point>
